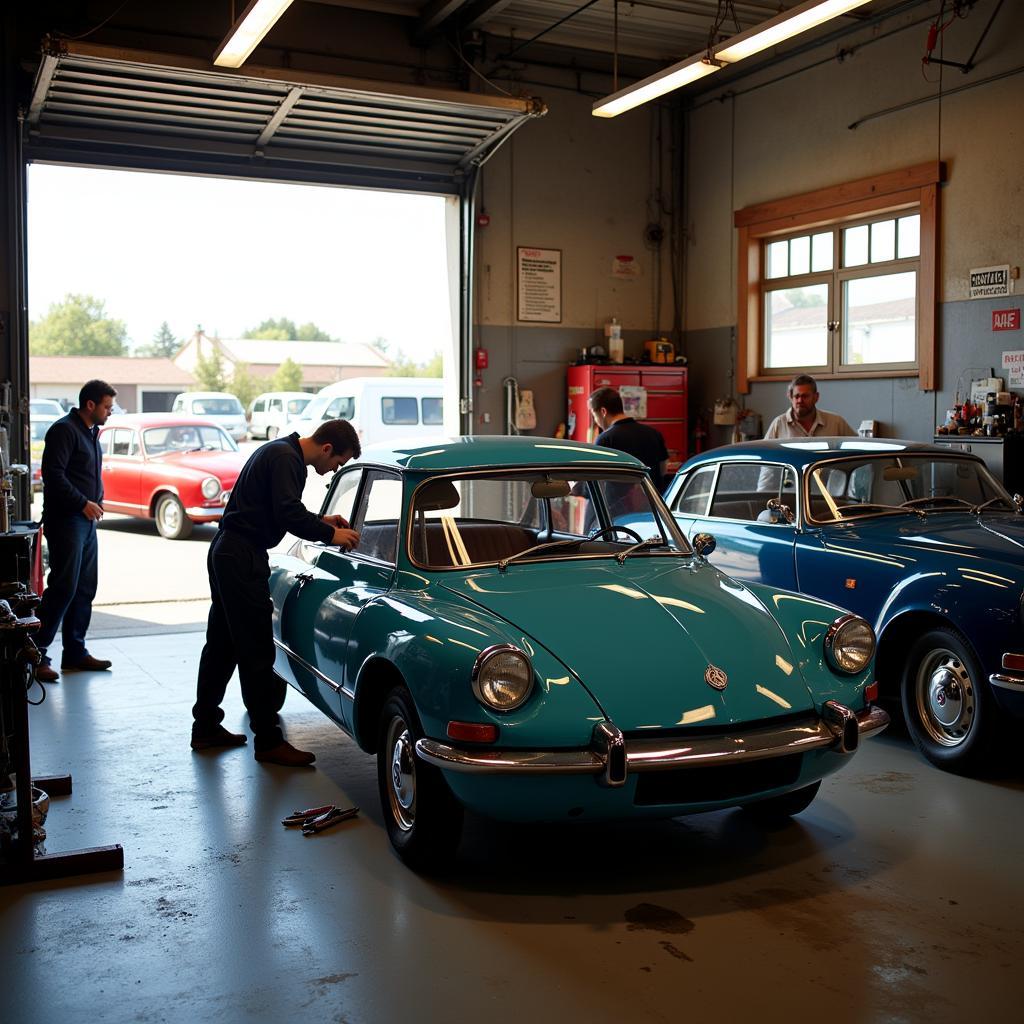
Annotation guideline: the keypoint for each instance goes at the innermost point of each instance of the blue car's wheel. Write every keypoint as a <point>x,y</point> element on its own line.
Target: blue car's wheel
<point>423,818</point>
<point>777,810</point>
<point>946,703</point>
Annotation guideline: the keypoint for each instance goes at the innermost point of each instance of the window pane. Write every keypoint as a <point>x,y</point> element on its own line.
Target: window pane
<point>778,259</point>
<point>800,255</point>
<point>399,411</point>
<point>693,499</point>
<point>855,246</point>
<point>796,327</point>
<point>880,319</point>
<point>433,411</point>
<point>821,249</point>
<point>909,236</point>
<point>883,241</point>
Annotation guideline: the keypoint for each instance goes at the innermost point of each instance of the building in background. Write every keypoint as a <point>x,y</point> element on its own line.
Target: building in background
<point>143,384</point>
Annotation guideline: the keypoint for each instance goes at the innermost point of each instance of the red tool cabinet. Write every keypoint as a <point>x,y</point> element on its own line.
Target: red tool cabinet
<point>666,401</point>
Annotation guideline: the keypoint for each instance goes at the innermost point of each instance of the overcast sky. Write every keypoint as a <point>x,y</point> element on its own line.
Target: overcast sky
<point>229,254</point>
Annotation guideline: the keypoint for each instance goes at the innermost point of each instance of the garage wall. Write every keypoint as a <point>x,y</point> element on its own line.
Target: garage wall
<point>776,137</point>
<point>587,186</point>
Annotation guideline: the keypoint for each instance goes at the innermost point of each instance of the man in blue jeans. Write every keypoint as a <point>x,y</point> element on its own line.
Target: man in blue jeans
<point>72,506</point>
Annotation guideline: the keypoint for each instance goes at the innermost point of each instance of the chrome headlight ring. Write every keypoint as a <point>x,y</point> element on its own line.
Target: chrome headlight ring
<point>210,487</point>
<point>502,677</point>
<point>849,644</point>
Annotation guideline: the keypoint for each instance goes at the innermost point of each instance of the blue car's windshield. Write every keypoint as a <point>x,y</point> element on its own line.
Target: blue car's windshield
<point>900,484</point>
<point>480,518</point>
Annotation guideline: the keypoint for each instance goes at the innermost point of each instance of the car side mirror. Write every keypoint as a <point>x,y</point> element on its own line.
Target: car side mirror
<point>779,511</point>
<point>704,544</point>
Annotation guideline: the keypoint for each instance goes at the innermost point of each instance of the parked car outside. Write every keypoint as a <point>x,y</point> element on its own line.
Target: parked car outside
<point>382,409</point>
<point>218,407</point>
<point>923,542</point>
<point>39,407</point>
<point>500,644</point>
<point>271,413</point>
<point>39,424</point>
<point>175,470</point>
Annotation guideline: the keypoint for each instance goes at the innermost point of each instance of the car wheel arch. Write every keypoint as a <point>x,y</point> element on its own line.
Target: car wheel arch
<point>155,497</point>
<point>894,639</point>
<point>376,679</point>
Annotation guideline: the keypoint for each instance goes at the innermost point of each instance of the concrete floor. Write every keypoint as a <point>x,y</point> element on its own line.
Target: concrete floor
<point>898,896</point>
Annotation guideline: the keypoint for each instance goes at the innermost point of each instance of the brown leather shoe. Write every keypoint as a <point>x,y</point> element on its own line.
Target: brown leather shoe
<point>218,737</point>
<point>86,664</point>
<point>46,673</point>
<point>284,753</point>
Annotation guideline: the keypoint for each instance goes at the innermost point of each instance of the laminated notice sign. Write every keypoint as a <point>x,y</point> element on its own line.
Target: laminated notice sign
<point>539,279</point>
<point>989,282</point>
<point>1013,363</point>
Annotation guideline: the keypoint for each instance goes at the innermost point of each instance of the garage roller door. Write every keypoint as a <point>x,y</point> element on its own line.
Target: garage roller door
<point>101,105</point>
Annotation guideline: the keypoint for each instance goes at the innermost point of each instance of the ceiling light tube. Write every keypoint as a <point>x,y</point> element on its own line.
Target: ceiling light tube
<point>784,26</point>
<point>675,77</point>
<point>256,21</point>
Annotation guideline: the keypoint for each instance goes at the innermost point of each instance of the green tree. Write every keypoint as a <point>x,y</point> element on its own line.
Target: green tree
<point>310,332</point>
<point>243,385</point>
<point>164,344</point>
<point>78,326</point>
<point>288,377</point>
<point>284,329</point>
<point>403,366</point>
<point>209,372</point>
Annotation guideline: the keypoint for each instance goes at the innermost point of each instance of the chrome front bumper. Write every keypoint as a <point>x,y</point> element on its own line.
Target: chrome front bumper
<point>205,512</point>
<point>611,757</point>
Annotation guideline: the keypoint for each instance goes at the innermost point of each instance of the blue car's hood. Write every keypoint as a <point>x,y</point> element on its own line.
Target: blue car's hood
<point>641,636</point>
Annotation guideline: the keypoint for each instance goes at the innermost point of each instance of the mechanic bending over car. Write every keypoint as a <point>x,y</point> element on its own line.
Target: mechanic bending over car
<point>265,504</point>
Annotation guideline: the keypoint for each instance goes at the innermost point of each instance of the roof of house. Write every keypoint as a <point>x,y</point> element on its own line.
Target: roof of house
<point>113,369</point>
<point>255,352</point>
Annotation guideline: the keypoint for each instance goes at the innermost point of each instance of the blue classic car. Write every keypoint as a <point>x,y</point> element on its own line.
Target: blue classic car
<point>922,542</point>
<point>502,644</point>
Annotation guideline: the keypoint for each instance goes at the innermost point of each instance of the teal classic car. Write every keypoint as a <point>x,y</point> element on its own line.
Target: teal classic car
<point>501,644</point>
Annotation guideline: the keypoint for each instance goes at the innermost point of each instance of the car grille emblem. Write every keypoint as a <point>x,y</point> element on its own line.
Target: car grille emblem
<point>715,677</point>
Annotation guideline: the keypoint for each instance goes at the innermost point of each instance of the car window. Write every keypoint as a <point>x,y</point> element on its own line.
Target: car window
<point>376,518</point>
<point>693,498</point>
<point>296,405</point>
<point>106,440</point>
<point>744,489</point>
<point>216,407</point>
<point>433,411</point>
<point>123,442</point>
<point>39,428</point>
<point>399,411</point>
<point>184,438</point>
<point>259,405</point>
<point>342,408</point>
<point>343,494</point>
<point>275,405</point>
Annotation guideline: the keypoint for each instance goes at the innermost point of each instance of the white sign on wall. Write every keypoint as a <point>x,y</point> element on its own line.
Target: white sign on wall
<point>539,278</point>
<point>989,282</point>
<point>1013,363</point>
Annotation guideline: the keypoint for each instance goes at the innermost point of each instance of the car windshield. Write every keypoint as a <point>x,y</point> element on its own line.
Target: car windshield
<point>217,407</point>
<point>188,437</point>
<point>551,513</point>
<point>296,405</point>
<point>902,485</point>
<point>39,428</point>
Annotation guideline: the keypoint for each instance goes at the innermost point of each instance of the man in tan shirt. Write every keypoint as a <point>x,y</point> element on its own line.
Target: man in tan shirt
<point>804,418</point>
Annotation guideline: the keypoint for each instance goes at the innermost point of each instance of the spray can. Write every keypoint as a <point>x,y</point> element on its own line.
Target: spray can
<point>613,332</point>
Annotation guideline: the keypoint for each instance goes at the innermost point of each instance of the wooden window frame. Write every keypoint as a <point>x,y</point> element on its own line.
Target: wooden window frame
<point>916,186</point>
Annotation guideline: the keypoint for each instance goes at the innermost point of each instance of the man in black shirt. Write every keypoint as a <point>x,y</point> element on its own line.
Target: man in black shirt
<point>624,434</point>
<point>72,506</point>
<point>265,504</point>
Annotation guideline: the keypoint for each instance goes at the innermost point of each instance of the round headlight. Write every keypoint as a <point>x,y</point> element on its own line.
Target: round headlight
<point>211,487</point>
<point>849,644</point>
<point>502,677</point>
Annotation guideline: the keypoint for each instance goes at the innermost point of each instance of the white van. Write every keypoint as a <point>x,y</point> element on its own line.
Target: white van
<point>271,412</point>
<point>380,408</point>
<point>218,406</point>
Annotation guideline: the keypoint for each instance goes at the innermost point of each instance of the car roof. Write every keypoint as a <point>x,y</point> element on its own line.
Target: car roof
<point>158,419</point>
<point>494,452</point>
<point>282,394</point>
<point>206,394</point>
<point>804,452</point>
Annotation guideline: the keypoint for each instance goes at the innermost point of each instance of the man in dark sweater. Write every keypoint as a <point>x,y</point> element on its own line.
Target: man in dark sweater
<point>265,504</point>
<point>72,506</point>
<point>624,434</point>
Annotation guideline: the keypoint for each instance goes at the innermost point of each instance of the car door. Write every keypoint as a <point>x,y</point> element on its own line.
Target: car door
<point>122,470</point>
<point>750,542</point>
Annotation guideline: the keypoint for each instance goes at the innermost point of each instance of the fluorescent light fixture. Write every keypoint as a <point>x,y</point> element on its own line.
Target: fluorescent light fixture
<point>245,35</point>
<point>783,26</point>
<point>769,33</point>
<point>675,77</point>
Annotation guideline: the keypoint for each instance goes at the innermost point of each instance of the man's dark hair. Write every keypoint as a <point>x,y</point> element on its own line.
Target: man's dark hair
<point>340,435</point>
<point>94,391</point>
<point>801,379</point>
<point>608,399</point>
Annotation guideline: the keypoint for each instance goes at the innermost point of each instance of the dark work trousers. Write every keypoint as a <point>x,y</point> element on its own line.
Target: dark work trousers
<point>70,585</point>
<point>239,633</point>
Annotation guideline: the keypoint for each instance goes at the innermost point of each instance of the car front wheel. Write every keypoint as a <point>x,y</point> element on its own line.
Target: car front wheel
<point>171,520</point>
<point>272,432</point>
<point>423,818</point>
<point>777,810</point>
<point>948,709</point>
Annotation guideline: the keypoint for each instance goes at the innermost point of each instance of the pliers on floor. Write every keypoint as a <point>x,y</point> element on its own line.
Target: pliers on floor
<point>316,819</point>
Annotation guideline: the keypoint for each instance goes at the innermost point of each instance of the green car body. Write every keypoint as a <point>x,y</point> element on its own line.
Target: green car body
<point>659,685</point>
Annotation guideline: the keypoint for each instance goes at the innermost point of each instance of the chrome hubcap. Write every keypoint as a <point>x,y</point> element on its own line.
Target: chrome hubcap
<point>945,698</point>
<point>402,775</point>
<point>170,516</point>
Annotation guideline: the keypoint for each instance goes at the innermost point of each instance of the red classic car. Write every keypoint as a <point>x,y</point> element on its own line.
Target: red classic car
<point>178,470</point>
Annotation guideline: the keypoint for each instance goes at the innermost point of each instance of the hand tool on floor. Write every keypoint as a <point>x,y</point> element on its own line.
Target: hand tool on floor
<point>301,817</point>
<point>329,818</point>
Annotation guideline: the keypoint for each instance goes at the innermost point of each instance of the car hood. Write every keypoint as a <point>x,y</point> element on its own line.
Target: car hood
<point>224,465</point>
<point>641,636</point>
